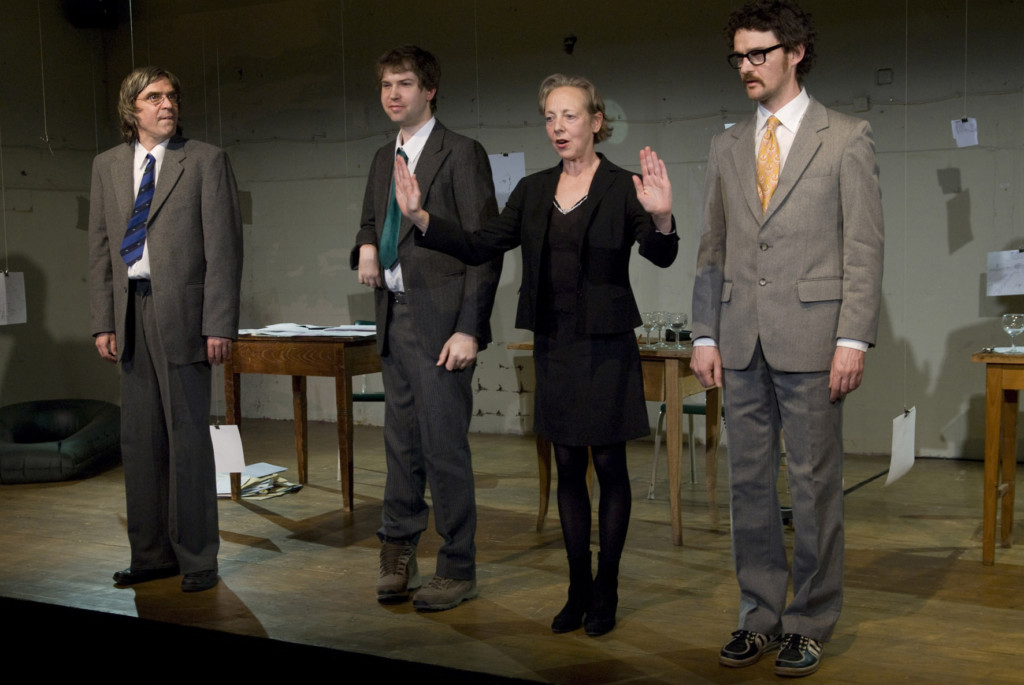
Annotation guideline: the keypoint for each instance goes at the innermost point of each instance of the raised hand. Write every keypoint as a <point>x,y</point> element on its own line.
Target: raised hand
<point>407,194</point>
<point>654,190</point>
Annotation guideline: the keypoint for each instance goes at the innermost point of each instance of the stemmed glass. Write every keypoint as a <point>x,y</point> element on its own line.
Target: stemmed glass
<point>648,324</point>
<point>1013,324</point>
<point>677,322</point>
<point>660,321</point>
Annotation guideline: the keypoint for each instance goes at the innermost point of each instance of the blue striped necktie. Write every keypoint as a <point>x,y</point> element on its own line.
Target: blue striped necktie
<point>135,237</point>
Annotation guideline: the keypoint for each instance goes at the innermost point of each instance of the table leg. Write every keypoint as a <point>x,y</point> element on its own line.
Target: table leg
<point>346,444</point>
<point>1008,456</point>
<point>674,444</point>
<point>993,412</point>
<point>544,475</point>
<point>233,417</point>
<point>711,431</point>
<point>301,427</point>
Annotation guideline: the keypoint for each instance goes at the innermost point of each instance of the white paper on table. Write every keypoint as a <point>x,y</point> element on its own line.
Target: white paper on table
<point>12,298</point>
<point>227,455</point>
<point>507,168</point>
<point>1005,273</point>
<point>902,445</point>
<point>965,133</point>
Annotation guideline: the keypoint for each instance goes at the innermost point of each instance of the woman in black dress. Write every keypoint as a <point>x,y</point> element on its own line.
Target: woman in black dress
<point>576,224</point>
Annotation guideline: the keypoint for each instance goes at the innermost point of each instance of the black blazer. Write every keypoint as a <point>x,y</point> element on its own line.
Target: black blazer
<point>615,220</point>
<point>444,295</point>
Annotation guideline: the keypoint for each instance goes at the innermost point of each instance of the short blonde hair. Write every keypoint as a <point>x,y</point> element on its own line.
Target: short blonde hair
<point>591,99</point>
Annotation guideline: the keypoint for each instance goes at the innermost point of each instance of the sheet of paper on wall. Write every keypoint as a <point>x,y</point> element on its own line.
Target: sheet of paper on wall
<point>12,298</point>
<point>507,168</point>
<point>902,445</point>
<point>965,131</point>
<point>1005,273</point>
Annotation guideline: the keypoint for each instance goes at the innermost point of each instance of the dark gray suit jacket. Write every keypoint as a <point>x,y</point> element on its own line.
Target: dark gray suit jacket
<point>194,236</point>
<point>809,270</point>
<point>445,296</point>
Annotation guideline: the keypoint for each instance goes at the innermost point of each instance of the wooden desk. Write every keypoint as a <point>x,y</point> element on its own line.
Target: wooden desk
<point>1004,377</point>
<point>668,379</point>
<point>340,357</point>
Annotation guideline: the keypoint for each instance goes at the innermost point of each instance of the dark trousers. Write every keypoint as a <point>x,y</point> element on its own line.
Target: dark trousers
<point>166,449</point>
<point>426,420</point>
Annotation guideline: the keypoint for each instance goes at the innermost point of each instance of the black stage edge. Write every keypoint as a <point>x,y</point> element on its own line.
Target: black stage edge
<point>54,639</point>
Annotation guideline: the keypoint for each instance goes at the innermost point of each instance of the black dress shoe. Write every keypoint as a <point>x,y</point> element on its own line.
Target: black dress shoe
<point>199,581</point>
<point>130,577</point>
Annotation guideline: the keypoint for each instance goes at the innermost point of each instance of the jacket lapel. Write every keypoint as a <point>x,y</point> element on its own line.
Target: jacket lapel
<point>598,187</point>
<point>805,145</point>
<point>433,156</point>
<point>170,172</point>
<point>744,158</point>
<point>123,175</point>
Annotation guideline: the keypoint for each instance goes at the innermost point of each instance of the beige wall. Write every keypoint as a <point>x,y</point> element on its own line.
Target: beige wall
<point>287,88</point>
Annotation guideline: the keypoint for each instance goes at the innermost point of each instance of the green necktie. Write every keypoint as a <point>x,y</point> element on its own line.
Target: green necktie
<point>392,222</point>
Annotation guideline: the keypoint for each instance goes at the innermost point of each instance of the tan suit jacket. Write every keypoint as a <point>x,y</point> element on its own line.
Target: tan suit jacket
<point>809,270</point>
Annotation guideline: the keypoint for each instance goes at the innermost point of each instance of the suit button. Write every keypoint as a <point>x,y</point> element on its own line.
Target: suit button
<point>763,246</point>
<point>763,281</point>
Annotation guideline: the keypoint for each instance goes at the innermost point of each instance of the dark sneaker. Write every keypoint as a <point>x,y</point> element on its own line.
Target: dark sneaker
<point>746,648</point>
<point>398,572</point>
<point>444,593</point>
<point>800,655</point>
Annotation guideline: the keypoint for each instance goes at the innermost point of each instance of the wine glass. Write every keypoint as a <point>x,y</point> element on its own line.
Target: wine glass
<point>648,324</point>
<point>660,321</point>
<point>1013,324</point>
<point>677,322</point>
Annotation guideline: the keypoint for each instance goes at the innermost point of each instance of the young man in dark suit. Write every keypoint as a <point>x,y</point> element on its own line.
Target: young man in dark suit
<point>432,318</point>
<point>785,305</point>
<point>165,242</point>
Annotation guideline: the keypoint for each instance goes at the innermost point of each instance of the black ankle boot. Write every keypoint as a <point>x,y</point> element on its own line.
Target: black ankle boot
<point>581,591</point>
<point>601,612</point>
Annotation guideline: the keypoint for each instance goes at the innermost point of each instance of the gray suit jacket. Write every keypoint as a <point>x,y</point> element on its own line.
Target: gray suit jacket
<point>444,295</point>
<point>194,236</point>
<point>809,270</point>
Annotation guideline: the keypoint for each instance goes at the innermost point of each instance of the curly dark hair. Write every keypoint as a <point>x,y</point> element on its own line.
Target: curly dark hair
<point>786,19</point>
<point>417,60</point>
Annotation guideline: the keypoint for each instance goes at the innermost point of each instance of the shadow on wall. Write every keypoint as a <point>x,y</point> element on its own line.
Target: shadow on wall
<point>35,366</point>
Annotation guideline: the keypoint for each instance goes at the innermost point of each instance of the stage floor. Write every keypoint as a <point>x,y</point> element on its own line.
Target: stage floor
<point>919,606</point>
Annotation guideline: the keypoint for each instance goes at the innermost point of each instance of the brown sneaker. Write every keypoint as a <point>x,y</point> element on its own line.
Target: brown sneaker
<point>398,572</point>
<point>444,593</point>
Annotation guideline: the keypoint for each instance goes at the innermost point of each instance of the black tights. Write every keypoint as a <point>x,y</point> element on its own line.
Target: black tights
<point>574,500</point>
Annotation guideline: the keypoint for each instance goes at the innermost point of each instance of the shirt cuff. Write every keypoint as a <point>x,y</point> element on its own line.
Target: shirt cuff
<point>705,341</point>
<point>855,344</point>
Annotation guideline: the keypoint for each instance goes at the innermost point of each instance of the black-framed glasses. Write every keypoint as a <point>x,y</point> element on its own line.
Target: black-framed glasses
<point>755,57</point>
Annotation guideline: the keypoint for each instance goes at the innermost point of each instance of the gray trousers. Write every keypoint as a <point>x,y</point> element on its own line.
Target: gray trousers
<point>169,476</point>
<point>758,402</point>
<point>426,420</point>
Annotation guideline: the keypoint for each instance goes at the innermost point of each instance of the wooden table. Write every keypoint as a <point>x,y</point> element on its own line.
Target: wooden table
<point>1004,377</point>
<point>340,357</point>
<point>668,379</point>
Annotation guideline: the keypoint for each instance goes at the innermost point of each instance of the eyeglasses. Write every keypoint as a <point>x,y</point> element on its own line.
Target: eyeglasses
<point>156,98</point>
<point>755,57</point>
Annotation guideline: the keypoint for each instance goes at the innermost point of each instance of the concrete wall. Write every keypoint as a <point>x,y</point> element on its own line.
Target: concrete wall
<point>287,87</point>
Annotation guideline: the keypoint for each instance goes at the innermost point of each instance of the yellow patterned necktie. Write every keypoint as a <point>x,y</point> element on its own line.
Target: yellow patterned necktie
<point>768,163</point>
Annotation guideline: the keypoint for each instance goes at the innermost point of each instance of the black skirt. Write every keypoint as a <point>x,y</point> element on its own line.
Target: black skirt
<point>589,387</point>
